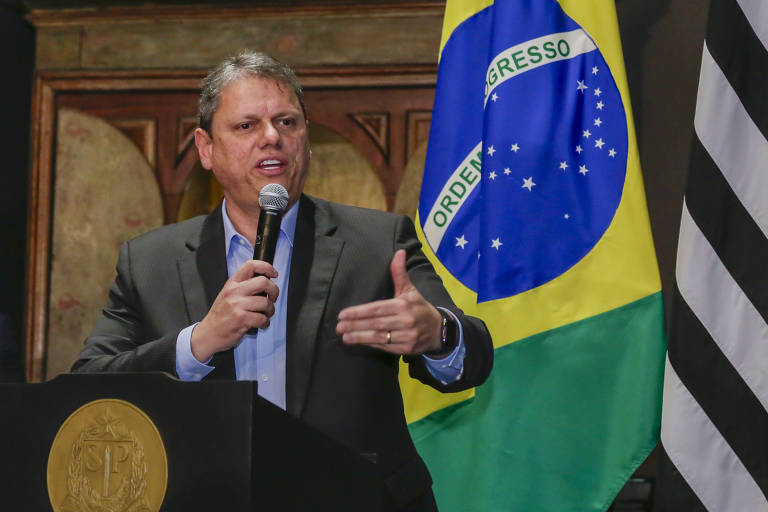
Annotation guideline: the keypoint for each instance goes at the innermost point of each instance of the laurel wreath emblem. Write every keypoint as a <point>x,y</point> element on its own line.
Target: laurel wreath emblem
<point>130,496</point>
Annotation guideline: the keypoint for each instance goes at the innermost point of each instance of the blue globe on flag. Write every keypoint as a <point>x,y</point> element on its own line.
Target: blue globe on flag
<point>541,168</point>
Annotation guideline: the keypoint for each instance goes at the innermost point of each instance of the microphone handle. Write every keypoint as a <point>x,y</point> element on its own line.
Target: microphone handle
<point>267,233</point>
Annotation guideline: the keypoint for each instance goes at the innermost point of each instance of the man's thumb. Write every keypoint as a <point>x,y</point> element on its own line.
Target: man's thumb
<point>399,273</point>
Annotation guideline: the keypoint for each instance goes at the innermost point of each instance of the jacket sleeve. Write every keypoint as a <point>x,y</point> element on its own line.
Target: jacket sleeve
<point>479,356</point>
<point>118,342</point>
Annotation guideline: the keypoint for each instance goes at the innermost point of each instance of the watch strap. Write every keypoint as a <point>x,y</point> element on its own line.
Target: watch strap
<point>449,335</point>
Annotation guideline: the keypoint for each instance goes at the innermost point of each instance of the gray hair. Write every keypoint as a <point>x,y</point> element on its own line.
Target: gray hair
<point>233,68</point>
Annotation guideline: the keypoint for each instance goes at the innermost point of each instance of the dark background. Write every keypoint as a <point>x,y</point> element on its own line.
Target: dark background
<point>18,50</point>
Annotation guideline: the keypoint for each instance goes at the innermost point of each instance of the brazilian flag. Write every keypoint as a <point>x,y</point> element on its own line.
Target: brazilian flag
<point>533,212</point>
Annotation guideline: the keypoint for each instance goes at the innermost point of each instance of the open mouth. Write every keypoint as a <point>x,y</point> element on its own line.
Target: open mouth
<point>271,165</point>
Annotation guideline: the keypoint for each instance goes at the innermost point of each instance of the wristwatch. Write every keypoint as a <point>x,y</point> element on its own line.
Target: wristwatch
<point>449,335</point>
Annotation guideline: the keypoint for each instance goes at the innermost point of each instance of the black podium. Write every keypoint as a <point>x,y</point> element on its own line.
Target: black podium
<point>227,448</point>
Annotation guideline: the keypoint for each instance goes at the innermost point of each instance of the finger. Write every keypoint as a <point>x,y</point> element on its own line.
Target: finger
<point>258,304</point>
<point>386,307</point>
<point>251,267</point>
<point>258,285</point>
<point>399,273</point>
<point>392,349</point>
<point>263,268</point>
<point>256,321</point>
<point>377,340</point>
<point>367,338</point>
<point>385,323</point>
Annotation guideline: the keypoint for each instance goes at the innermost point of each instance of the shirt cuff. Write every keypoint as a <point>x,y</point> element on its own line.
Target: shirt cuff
<point>450,368</point>
<point>188,368</point>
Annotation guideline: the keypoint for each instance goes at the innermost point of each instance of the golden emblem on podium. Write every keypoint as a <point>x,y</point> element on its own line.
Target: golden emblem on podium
<point>107,457</point>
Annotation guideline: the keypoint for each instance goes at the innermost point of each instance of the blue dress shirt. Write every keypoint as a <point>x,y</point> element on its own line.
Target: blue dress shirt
<point>261,356</point>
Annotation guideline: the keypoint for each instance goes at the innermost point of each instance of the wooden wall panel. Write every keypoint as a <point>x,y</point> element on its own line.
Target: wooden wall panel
<point>158,111</point>
<point>188,37</point>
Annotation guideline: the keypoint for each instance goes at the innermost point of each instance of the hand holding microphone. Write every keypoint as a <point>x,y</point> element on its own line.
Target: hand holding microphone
<point>246,302</point>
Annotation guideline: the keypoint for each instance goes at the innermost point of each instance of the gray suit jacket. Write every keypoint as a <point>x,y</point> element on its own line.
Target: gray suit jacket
<point>167,279</point>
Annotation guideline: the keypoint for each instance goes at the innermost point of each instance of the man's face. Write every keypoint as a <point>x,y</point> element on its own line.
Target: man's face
<point>259,137</point>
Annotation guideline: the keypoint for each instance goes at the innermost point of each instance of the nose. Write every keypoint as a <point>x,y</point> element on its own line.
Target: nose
<point>270,136</point>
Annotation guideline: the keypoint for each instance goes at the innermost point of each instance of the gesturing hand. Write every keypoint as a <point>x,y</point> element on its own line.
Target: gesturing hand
<point>237,308</point>
<point>404,324</point>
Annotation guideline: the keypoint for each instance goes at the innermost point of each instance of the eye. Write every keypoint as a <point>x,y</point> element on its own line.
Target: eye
<point>287,122</point>
<point>244,126</point>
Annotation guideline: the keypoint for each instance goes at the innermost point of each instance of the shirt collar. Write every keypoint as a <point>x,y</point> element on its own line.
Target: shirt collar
<point>287,225</point>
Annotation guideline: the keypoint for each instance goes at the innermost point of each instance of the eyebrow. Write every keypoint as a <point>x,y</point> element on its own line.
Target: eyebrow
<point>284,113</point>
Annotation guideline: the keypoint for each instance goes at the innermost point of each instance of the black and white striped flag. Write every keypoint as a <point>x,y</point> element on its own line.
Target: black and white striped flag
<point>714,428</point>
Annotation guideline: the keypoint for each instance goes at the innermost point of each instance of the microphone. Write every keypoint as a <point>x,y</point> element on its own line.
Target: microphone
<point>273,200</point>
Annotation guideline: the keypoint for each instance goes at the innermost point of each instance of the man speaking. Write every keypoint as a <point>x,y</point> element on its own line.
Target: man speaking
<point>322,327</point>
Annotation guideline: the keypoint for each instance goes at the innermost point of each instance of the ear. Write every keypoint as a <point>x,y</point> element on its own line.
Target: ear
<point>204,148</point>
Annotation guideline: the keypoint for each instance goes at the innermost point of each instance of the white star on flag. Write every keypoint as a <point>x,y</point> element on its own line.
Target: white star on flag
<point>494,97</point>
<point>612,153</point>
<point>566,216</point>
<point>578,149</point>
<point>587,133</point>
<point>598,122</point>
<point>492,175</point>
<point>599,143</point>
<point>600,105</point>
<point>514,147</point>
<point>506,170</point>
<point>594,70</point>
<point>581,86</point>
<point>583,170</point>
<point>598,92</point>
<point>563,165</point>
<point>491,151</point>
<point>528,183</point>
<point>461,242</point>
<point>496,244</point>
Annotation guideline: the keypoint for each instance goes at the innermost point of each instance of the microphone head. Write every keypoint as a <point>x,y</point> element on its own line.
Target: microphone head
<point>273,198</point>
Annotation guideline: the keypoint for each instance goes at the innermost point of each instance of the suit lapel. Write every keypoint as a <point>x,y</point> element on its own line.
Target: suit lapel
<point>313,266</point>
<point>203,273</point>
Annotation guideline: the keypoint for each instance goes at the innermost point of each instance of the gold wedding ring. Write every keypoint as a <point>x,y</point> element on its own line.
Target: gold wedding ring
<point>389,337</point>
